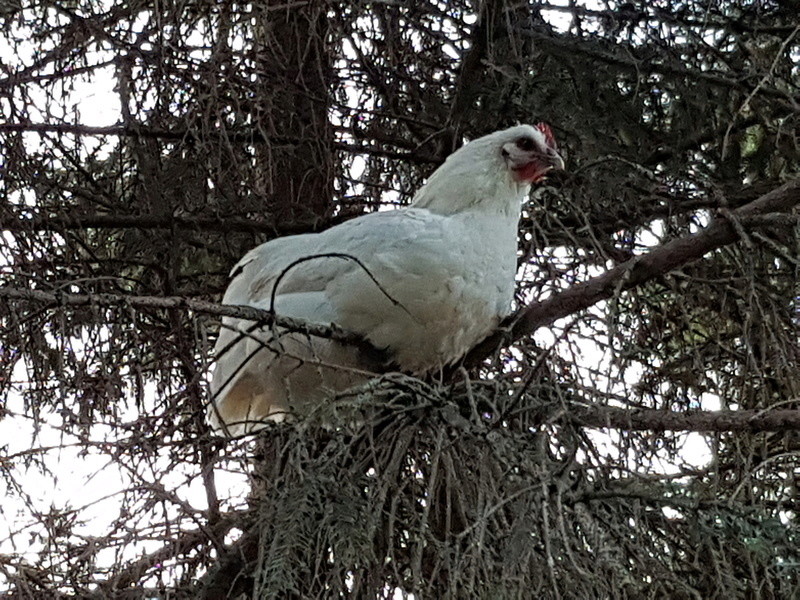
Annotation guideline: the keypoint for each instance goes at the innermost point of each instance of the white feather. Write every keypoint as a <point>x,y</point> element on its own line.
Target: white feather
<point>447,262</point>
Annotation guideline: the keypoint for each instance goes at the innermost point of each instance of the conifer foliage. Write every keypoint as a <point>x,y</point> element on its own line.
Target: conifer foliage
<point>631,433</point>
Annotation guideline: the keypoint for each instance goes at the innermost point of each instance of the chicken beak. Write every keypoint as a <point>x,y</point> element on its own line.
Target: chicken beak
<point>556,162</point>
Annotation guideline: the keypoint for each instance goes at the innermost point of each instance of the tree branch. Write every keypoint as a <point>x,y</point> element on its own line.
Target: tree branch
<point>231,575</point>
<point>469,79</point>
<point>628,275</point>
<point>648,419</point>
<point>630,61</point>
<point>137,569</point>
<point>57,299</point>
<point>634,272</point>
<point>60,222</point>
<point>241,136</point>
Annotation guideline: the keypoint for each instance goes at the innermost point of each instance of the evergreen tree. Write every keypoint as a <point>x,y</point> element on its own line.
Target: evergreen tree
<point>631,432</point>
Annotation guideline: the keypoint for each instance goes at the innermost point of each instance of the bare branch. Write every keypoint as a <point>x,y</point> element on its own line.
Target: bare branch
<point>44,222</point>
<point>166,302</point>
<point>179,546</point>
<point>242,136</point>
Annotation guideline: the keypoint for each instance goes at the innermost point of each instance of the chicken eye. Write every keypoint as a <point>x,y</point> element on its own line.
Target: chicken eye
<point>526,144</point>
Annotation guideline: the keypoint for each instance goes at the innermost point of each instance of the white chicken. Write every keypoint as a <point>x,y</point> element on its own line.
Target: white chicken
<point>423,283</point>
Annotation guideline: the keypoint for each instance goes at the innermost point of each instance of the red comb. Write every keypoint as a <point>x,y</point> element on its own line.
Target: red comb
<point>548,134</point>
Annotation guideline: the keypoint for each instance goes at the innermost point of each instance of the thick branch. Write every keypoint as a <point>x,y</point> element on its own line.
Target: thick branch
<point>469,79</point>
<point>659,420</point>
<point>636,271</point>
<point>630,274</point>
<point>230,576</point>
<point>165,302</point>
